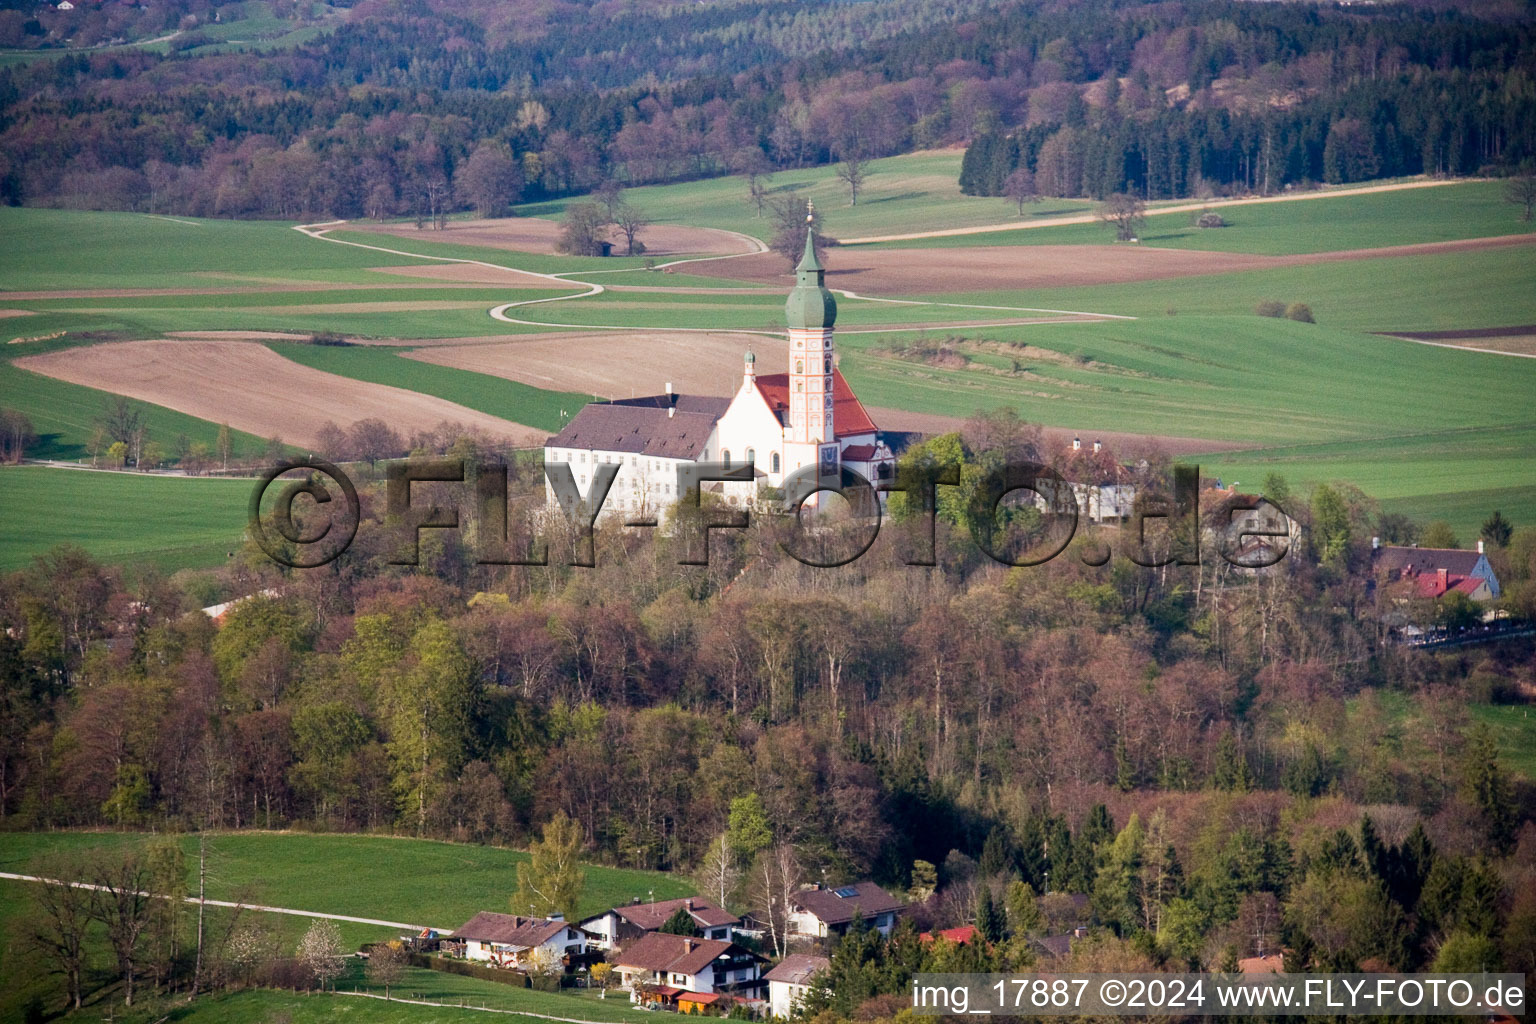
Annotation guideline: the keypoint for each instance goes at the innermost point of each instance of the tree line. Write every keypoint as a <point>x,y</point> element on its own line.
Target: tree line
<point>757,723</point>
<point>406,106</point>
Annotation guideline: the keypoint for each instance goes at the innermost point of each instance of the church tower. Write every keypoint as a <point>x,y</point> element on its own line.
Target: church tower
<point>811,312</point>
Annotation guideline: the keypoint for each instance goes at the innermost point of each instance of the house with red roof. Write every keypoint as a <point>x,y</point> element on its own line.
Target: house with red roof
<point>1433,573</point>
<point>807,418</point>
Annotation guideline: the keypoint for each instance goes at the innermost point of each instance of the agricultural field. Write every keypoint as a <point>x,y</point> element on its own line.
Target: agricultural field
<point>168,522</point>
<point>415,881</point>
<point>1158,341</point>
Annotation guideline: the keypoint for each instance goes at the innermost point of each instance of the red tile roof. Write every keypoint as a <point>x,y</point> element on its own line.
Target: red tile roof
<point>848,414</point>
<point>858,453</point>
<point>960,936</point>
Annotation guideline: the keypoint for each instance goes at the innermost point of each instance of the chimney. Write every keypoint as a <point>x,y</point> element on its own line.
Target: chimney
<point>1375,543</point>
<point>688,903</point>
<point>1479,547</point>
<point>1443,574</point>
<point>1098,446</point>
<point>687,945</point>
<point>671,401</point>
<point>1077,444</point>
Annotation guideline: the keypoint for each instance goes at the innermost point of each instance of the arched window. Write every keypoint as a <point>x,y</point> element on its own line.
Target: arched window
<point>799,386</point>
<point>799,365</point>
<point>829,383</point>
<point>725,457</point>
<point>828,363</point>
<point>773,461</point>
<point>751,456</point>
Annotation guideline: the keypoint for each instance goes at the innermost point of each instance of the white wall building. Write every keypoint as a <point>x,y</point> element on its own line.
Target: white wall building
<point>779,422</point>
<point>789,982</point>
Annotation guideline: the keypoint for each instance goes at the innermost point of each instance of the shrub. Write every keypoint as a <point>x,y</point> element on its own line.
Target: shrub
<point>1210,219</point>
<point>1300,312</point>
<point>328,338</point>
<point>1269,307</point>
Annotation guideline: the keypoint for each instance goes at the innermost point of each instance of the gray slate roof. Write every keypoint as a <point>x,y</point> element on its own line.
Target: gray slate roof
<point>641,426</point>
<point>1457,561</point>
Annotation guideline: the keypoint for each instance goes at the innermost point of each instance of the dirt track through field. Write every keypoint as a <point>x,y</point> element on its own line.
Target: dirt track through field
<point>254,389</point>
<point>1002,267</point>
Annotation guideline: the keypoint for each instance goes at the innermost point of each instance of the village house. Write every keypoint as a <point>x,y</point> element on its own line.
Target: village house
<point>1099,484</point>
<point>818,911</point>
<point>778,423</point>
<point>789,982</point>
<point>1433,573</point>
<point>671,969</point>
<point>510,940</point>
<point>623,925</point>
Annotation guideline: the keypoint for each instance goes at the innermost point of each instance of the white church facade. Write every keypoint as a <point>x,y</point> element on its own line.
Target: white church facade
<point>778,422</point>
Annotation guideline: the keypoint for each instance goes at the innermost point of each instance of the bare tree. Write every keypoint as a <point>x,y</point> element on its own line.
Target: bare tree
<point>775,880</point>
<point>15,434</point>
<point>122,420</point>
<point>1020,188</point>
<point>851,171</point>
<point>719,874</point>
<point>60,925</point>
<point>752,163</point>
<point>1126,213</point>
<point>609,196</point>
<point>1522,192</point>
<point>791,214</point>
<point>582,232</point>
<point>386,964</point>
<point>630,222</point>
<point>121,902</point>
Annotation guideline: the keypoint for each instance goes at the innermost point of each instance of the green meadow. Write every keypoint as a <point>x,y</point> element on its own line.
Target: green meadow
<point>1442,291</point>
<point>414,881</point>
<point>169,522</point>
<point>1328,223</point>
<point>915,192</point>
<point>407,880</point>
<point>59,249</point>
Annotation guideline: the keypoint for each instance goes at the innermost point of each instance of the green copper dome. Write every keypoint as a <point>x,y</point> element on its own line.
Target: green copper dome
<point>810,305</point>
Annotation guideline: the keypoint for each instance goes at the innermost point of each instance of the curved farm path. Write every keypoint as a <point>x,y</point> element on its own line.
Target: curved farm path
<point>1092,218</point>
<point>754,247</point>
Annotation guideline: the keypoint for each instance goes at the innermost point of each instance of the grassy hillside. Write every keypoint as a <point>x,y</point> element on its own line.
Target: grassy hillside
<point>51,249</point>
<point>415,881</point>
<point>1473,209</point>
<point>170,522</point>
<point>1443,291</point>
<point>916,192</point>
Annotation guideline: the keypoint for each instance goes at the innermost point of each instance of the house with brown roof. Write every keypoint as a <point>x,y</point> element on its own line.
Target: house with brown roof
<point>511,940</point>
<point>790,980</point>
<point>806,418</point>
<point>818,911</point>
<point>660,967</point>
<point>623,925</point>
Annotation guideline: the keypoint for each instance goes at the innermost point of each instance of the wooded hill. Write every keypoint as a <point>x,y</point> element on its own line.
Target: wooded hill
<point>384,111</point>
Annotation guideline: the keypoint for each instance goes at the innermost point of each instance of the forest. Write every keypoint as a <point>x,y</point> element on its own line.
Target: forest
<point>382,115</point>
<point>1195,760</point>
